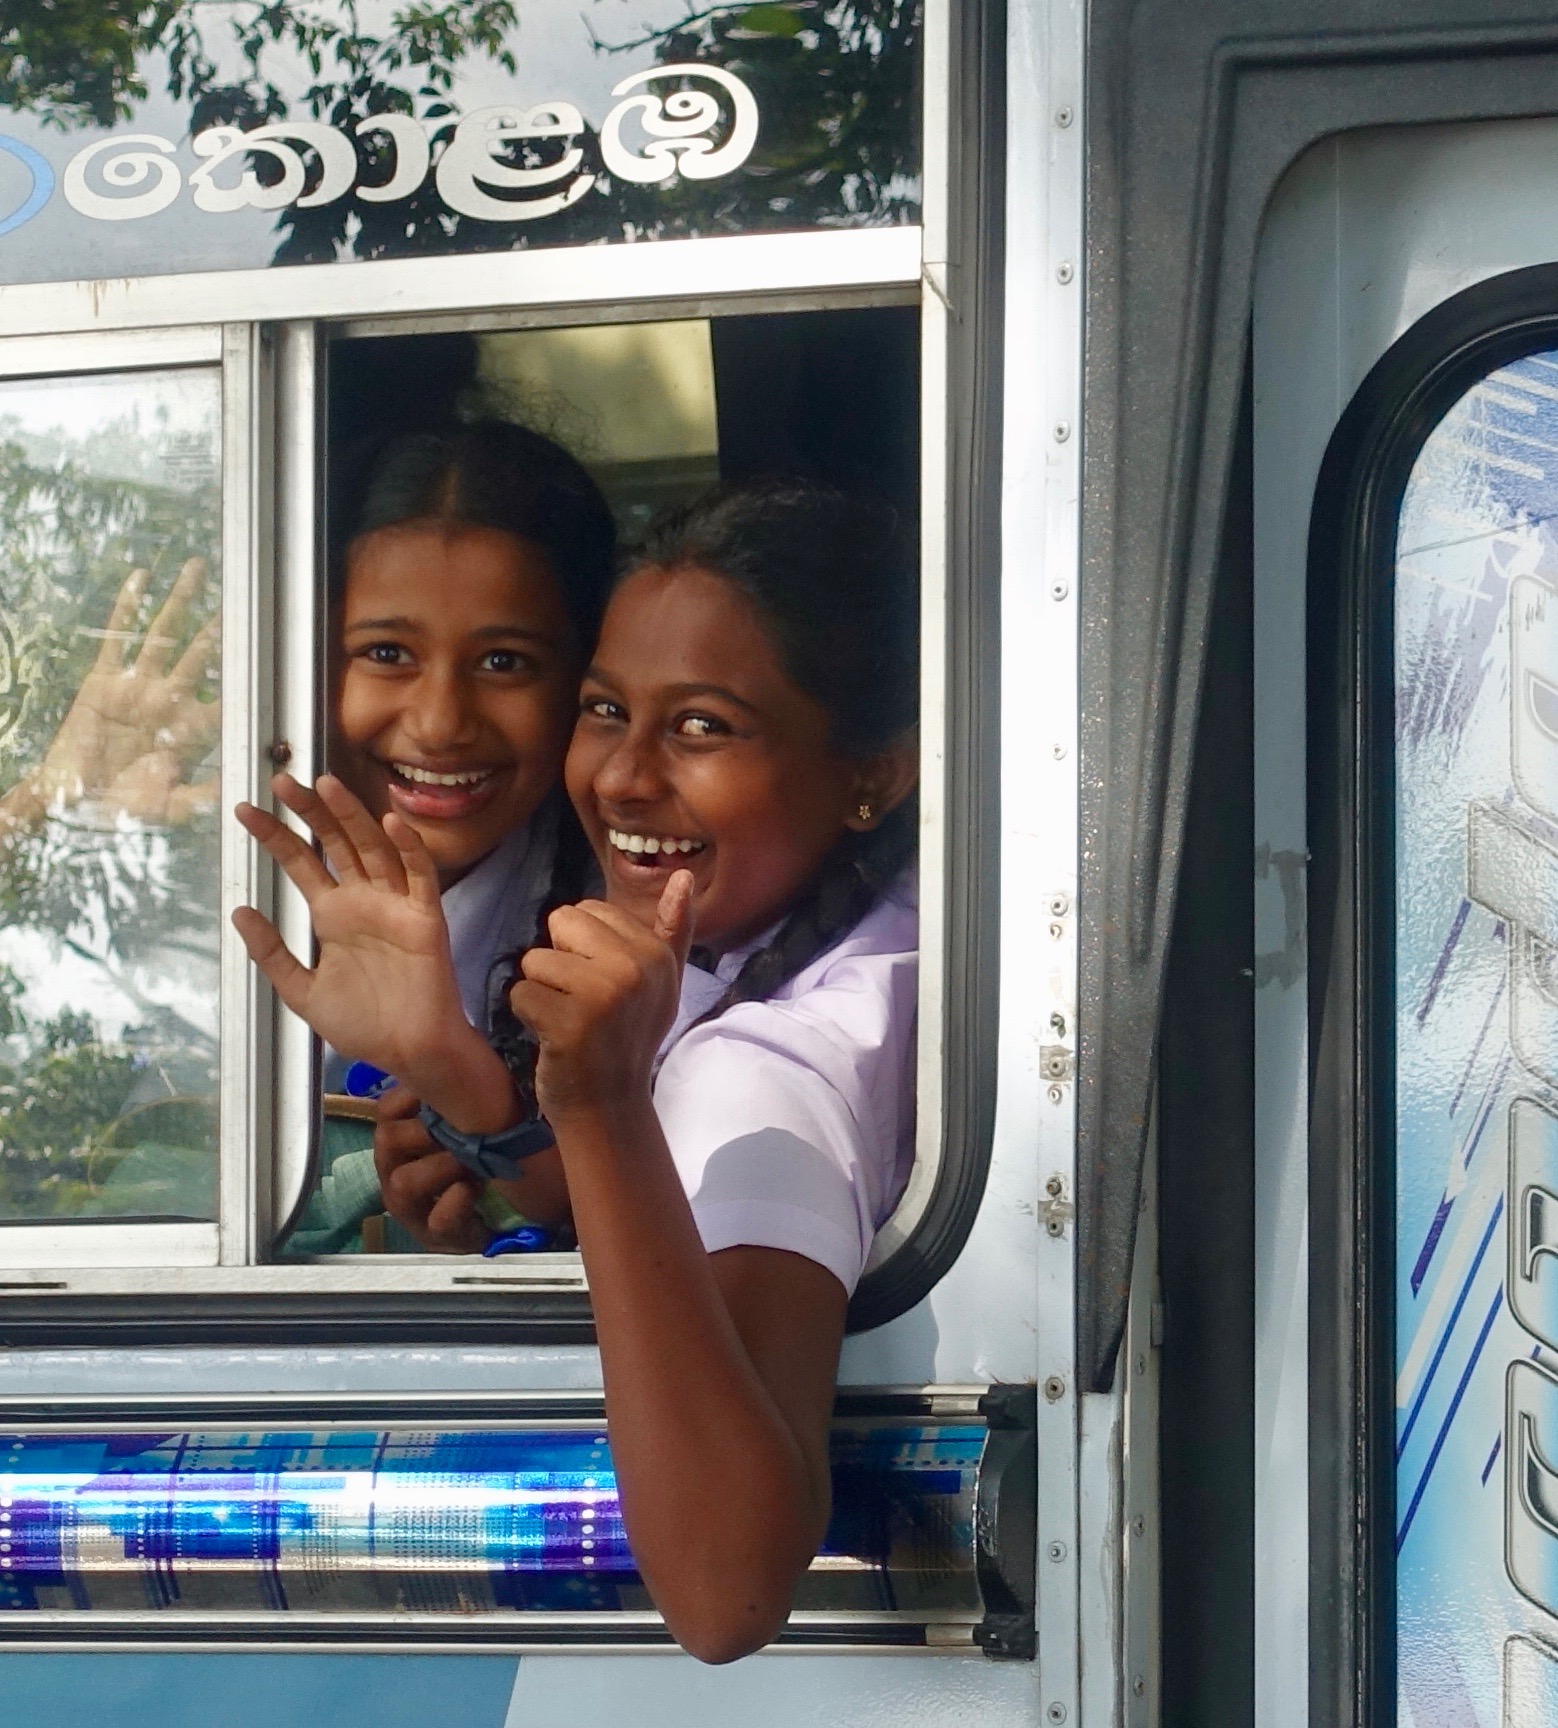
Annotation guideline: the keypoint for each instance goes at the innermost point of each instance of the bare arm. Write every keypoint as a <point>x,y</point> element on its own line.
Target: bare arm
<point>719,1386</point>
<point>719,1368</point>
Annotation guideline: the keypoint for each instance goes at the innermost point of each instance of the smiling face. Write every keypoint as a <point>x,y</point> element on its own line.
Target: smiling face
<point>696,750</point>
<point>459,673</point>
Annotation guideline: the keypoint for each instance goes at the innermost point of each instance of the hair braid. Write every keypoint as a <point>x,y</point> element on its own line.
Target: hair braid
<point>853,877</point>
<point>507,1033</point>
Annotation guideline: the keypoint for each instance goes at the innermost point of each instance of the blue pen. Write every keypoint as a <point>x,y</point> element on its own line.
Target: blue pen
<point>523,1239</point>
<point>363,1080</point>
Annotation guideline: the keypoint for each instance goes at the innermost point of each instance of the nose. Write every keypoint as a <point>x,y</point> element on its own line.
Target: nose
<point>632,773</point>
<point>441,714</point>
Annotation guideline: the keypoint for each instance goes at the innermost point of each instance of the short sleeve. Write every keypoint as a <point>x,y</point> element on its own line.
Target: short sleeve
<point>768,1151</point>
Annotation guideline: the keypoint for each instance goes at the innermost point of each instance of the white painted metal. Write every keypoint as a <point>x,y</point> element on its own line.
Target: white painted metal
<point>247,702</point>
<point>564,276</point>
<point>298,610</point>
<point>109,351</point>
<point>1367,233</point>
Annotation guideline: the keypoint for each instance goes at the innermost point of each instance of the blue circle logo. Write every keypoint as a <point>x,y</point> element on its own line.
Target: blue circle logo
<point>42,182</point>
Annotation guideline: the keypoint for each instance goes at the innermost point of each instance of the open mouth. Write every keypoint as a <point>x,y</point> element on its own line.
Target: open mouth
<point>651,854</point>
<point>437,794</point>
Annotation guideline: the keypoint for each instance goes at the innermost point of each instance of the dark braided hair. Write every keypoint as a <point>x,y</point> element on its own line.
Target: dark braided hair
<point>831,577</point>
<point>495,474</point>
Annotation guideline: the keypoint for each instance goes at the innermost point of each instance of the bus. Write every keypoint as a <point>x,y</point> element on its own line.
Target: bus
<point>1202,1372</point>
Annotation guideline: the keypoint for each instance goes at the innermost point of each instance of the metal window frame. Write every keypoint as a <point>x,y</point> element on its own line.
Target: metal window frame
<point>45,1255</point>
<point>277,324</point>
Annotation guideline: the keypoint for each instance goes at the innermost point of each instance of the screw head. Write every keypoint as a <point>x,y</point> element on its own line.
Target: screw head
<point>1139,1525</point>
<point>1059,590</point>
<point>1056,1712</point>
<point>1057,1552</point>
<point>279,753</point>
<point>1139,1686</point>
<point>1062,431</point>
<point>1054,1187</point>
<point>1054,1227</point>
<point>1063,117</point>
<point>1054,1388</point>
<point>1057,931</point>
<point>1056,1096</point>
<point>1059,906</point>
<point>1058,751</point>
<point>1064,272</point>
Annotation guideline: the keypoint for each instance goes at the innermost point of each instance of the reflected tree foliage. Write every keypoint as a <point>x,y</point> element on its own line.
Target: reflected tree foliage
<point>837,84</point>
<point>84,881</point>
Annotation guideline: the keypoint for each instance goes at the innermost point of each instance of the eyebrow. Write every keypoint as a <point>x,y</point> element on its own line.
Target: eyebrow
<point>683,691</point>
<point>487,633</point>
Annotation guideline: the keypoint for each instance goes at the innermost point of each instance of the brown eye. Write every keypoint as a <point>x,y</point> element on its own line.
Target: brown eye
<point>700,726</point>
<point>385,654</point>
<point>601,708</point>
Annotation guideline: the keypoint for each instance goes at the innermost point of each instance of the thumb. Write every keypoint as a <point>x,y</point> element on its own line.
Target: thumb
<point>673,916</point>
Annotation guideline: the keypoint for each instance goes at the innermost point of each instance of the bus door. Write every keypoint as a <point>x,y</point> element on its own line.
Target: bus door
<point>260,1459</point>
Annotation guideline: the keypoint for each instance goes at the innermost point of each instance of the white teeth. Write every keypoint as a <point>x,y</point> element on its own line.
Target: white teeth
<point>426,777</point>
<point>649,845</point>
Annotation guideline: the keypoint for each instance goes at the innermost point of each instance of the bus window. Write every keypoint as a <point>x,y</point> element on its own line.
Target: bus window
<point>1476,1017</point>
<point>110,736</point>
<point>658,412</point>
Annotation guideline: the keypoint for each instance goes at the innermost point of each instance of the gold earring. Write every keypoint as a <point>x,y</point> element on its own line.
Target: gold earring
<point>865,812</point>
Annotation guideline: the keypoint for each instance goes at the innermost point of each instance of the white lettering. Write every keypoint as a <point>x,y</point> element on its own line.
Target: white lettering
<point>222,143</point>
<point>470,161</point>
<point>678,126</point>
<point>127,167</point>
<point>413,154</point>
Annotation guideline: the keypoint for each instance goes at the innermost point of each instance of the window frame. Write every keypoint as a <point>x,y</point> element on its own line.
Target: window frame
<point>1352,921</point>
<point>276,327</point>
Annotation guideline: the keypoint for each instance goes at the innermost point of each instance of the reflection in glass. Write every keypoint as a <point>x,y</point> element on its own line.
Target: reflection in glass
<point>110,496</point>
<point>198,137</point>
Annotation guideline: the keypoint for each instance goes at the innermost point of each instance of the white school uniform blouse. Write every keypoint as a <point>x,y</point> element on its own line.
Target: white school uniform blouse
<point>791,1120</point>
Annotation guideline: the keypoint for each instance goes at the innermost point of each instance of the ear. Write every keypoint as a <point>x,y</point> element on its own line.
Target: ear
<point>883,782</point>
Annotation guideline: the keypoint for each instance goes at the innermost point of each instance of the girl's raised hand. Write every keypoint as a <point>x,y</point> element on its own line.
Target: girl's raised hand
<point>384,989</point>
<point>602,998</point>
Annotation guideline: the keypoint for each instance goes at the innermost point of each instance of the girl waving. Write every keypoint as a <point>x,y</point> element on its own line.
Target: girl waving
<point>733,1129</point>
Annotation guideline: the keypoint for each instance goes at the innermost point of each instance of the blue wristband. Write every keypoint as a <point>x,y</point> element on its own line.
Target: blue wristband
<point>494,1157</point>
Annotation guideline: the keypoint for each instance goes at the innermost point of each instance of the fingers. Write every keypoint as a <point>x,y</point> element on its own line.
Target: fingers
<point>380,859</point>
<point>426,1189</point>
<point>453,1223</point>
<point>196,659</point>
<point>539,1006</point>
<point>121,623</point>
<point>399,1104</point>
<point>303,801</point>
<point>290,979</point>
<point>187,802</point>
<point>673,916</point>
<point>301,863</point>
<point>416,860</point>
<point>596,929</point>
<point>166,627</point>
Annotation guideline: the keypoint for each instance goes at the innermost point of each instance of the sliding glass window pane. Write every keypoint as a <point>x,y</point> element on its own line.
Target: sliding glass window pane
<point>110,495</point>
<point>1476,1014</point>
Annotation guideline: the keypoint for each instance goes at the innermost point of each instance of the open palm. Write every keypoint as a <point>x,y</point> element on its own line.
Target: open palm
<point>384,987</point>
<point>136,725</point>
